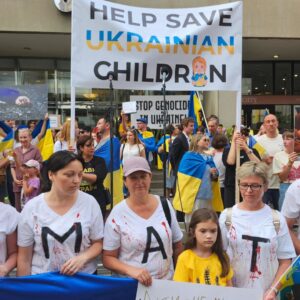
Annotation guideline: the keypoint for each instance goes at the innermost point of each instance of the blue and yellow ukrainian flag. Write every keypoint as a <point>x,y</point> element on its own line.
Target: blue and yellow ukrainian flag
<point>8,141</point>
<point>195,111</point>
<point>253,144</point>
<point>292,275</point>
<point>160,155</point>
<point>46,143</point>
<point>104,152</point>
<point>189,177</point>
<point>148,139</point>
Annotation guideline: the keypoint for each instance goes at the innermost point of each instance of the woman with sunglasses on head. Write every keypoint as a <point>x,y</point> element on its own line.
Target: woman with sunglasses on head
<point>256,237</point>
<point>94,171</point>
<point>132,147</point>
<point>62,228</point>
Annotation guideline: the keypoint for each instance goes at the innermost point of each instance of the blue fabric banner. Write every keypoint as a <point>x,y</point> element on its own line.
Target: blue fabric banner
<point>82,286</point>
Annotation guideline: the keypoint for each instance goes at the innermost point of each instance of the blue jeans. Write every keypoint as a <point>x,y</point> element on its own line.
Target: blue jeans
<point>283,189</point>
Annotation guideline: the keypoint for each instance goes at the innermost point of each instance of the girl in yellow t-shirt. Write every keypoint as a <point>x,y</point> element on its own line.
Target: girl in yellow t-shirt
<point>204,260</point>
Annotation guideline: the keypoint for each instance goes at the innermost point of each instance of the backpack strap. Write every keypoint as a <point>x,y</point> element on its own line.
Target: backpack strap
<point>228,221</point>
<point>122,151</point>
<point>275,217</point>
<point>276,220</point>
<point>166,208</point>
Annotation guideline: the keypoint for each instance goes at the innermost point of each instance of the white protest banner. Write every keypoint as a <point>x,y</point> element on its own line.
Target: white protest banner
<point>151,108</point>
<point>166,289</point>
<point>201,47</point>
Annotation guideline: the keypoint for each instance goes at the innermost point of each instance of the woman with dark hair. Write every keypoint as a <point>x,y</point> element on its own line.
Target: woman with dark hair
<point>62,228</point>
<point>204,260</point>
<point>94,171</point>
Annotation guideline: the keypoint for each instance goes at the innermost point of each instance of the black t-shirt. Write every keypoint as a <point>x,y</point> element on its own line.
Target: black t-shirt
<point>230,169</point>
<point>95,166</point>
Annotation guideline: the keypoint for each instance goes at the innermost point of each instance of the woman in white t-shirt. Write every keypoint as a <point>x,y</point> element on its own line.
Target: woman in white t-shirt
<point>255,237</point>
<point>140,241</point>
<point>286,165</point>
<point>62,228</point>
<point>132,147</point>
<point>64,141</point>
<point>8,238</point>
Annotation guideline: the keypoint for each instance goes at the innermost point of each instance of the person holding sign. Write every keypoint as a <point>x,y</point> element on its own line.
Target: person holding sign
<point>62,228</point>
<point>204,260</point>
<point>142,236</point>
<point>256,237</point>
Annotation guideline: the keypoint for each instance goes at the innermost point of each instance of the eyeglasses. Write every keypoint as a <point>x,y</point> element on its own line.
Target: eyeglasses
<point>206,140</point>
<point>253,187</point>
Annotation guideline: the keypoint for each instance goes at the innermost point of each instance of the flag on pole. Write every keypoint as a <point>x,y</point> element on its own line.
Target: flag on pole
<point>103,150</point>
<point>45,144</point>
<point>196,111</point>
<point>253,144</point>
<point>292,275</point>
<point>8,141</point>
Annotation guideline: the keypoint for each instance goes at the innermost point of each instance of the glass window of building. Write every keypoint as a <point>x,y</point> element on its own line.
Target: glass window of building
<point>296,78</point>
<point>258,77</point>
<point>282,78</point>
<point>284,113</point>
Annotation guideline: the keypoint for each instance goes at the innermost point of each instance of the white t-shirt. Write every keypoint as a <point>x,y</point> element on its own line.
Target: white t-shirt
<point>220,166</point>
<point>250,228</point>
<point>9,218</point>
<point>60,146</point>
<point>128,232</point>
<point>131,150</point>
<point>280,160</point>
<point>272,146</point>
<point>291,204</point>
<point>57,238</point>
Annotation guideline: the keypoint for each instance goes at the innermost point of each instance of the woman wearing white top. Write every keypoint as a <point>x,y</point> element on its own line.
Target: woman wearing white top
<point>259,250</point>
<point>8,238</point>
<point>139,241</point>
<point>64,142</point>
<point>61,229</point>
<point>132,147</point>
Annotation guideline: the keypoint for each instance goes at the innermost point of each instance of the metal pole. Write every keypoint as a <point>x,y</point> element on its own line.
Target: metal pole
<point>111,136</point>
<point>164,132</point>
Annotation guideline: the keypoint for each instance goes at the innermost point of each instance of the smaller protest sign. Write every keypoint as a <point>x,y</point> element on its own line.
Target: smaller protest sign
<point>151,108</point>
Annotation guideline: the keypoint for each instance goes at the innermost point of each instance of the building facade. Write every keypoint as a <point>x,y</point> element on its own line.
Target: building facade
<point>35,48</point>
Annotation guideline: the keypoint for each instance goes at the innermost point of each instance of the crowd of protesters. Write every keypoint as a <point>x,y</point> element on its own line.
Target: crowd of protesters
<point>59,212</point>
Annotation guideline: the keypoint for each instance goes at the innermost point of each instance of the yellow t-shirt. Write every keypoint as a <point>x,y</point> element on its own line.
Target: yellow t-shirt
<point>193,268</point>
